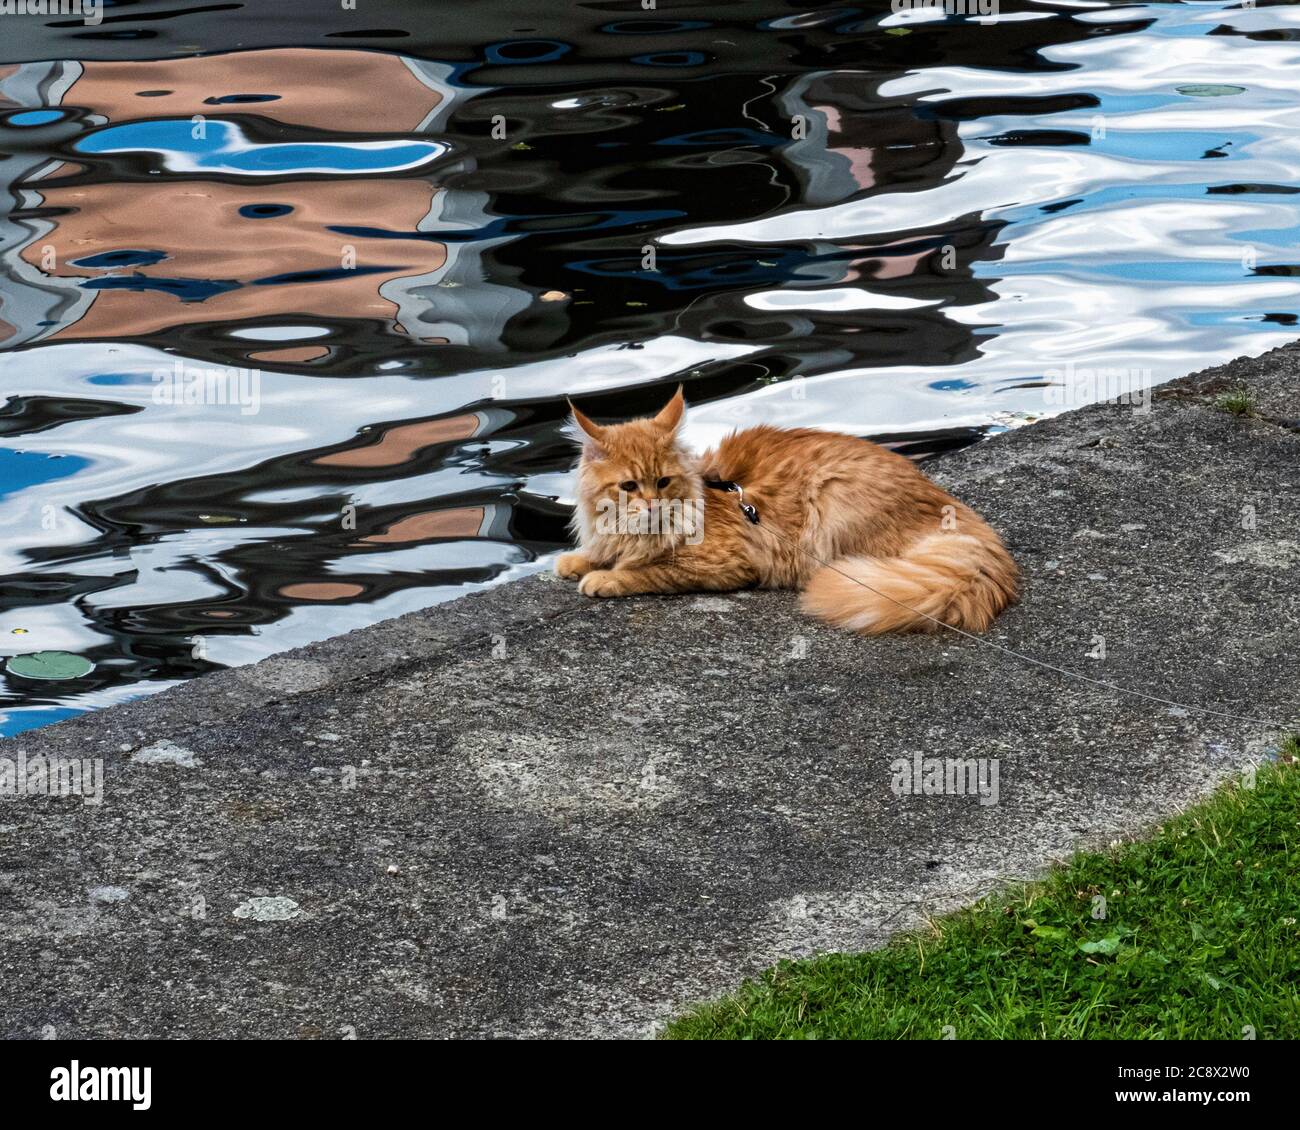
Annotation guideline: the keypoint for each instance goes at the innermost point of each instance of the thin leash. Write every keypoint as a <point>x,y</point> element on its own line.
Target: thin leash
<point>751,514</point>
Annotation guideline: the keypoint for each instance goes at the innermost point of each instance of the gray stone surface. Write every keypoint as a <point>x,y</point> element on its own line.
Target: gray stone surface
<point>528,814</point>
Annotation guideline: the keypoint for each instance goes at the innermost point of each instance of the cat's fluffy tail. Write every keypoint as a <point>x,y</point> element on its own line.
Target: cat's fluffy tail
<point>959,579</point>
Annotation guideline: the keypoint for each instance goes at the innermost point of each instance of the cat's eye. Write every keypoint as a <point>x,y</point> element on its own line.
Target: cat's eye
<point>665,481</point>
<point>628,487</point>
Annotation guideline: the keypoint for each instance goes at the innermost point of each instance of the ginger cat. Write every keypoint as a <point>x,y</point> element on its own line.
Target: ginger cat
<point>844,500</point>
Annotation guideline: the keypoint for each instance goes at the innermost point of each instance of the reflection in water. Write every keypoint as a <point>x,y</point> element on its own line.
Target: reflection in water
<point>900,226</point>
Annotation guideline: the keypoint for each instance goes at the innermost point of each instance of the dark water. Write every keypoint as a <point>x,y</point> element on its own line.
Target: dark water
<point>393,240</point>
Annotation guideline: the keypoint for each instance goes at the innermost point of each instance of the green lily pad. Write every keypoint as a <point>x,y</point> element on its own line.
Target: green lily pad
<point>1210,89</point>
<point>49,665</point>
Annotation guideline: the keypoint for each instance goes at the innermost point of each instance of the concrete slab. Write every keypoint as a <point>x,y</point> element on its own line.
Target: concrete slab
<point>528,814</point>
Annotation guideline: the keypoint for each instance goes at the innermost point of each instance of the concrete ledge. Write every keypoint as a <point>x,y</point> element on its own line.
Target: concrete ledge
<point>524,813</point>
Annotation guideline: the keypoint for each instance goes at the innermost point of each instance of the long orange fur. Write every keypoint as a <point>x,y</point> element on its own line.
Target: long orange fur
<point>867,511</point>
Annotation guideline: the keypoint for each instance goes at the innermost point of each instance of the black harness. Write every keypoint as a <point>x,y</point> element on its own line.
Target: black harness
<point>746,508</point>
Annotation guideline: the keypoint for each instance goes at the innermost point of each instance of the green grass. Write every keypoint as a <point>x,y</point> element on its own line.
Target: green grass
<point>1199,940</point>
<point>1239,401</point>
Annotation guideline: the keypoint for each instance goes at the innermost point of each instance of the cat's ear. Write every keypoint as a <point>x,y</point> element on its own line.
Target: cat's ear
<point>670,416</point>
<point>587,430</point>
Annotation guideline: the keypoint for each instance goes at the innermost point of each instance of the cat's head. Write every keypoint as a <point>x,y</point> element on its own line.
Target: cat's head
<point>639,463</point>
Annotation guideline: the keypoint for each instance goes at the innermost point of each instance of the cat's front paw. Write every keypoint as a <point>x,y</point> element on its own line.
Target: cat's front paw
<point>572,566</point>
<point>603,582</point>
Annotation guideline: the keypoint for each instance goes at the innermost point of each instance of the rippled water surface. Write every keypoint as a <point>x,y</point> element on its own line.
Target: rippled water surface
<point>293,295</point>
